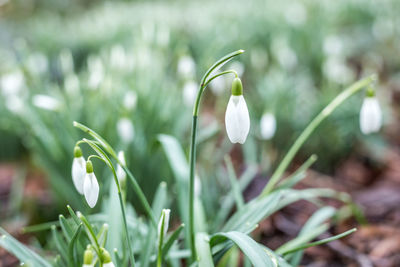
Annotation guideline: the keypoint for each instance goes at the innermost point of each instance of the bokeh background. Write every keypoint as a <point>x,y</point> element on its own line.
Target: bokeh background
<point>128,69</point>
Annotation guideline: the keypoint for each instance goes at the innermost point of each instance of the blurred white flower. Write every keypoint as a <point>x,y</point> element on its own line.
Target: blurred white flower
<point>121,174</point>
<point>90,186</point>
<point>164,220</point>
<point>12,83</point>
<point>189,93</point>
<point>237,120</point>
<point>66,61</point>
<point>118,57</point>
<point>218,85</point>
<point>333,45</point>
<point>37,63</point>
<point>336,70</point>
<point>78,170</point>
<point>130,100</point>
<point>285,55</point>
<point>268,126</point>
<point>96,72</point>
<point>71,85</point>
<point>126,130</point>
<point>109,264</point>
<point>370,115</point>
<point>186,66</point>
<point>46,102</point>
<point>296,13</point>
<point>15,104</point>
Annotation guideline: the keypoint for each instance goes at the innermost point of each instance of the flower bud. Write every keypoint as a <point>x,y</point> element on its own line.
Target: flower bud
<point>106,258</point>
<point>121,174</point>
<point>164,222</point>
<point>88,257</point>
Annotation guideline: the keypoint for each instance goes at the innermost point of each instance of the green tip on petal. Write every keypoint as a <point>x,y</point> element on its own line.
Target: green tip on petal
<point>237,88</point>
<point>370,92</point>
<point>77,152</point>
<point>89,167</point>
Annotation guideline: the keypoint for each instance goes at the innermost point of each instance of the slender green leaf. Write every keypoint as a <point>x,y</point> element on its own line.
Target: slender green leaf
<point>234,183</point>
<point>23,253</point>
<point>71,245</point>
<point>255,252</point>
<point>175,235</point>
<point>203,250</point>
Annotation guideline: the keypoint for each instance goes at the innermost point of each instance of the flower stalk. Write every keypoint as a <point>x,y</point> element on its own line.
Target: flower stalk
<point>192,159</point>
<point>348,92</point>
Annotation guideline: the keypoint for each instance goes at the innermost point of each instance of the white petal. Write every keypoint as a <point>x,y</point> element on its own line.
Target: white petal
<point>268,126</point>
<point>237,119</point>
<point>91,189</point>
<point>78,173</point>
<point>370,116</point>
<point>46,102</point>
<point>189,93</point>
<point>109,264</point>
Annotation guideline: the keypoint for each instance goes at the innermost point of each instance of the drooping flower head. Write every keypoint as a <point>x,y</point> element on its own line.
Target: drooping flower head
<point>237,119</point>
<point>78,169</point>
<point>370,114</point>
<point>90,185</point>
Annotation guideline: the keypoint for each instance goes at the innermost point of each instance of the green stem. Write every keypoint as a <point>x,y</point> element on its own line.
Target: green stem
<point>354,88</point>
<point>192,159</point>
<point>161,240</point>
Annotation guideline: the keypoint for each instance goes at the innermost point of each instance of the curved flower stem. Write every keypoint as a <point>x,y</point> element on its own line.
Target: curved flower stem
<point>348,92</point>
<point>103,156</point>
<point>192,159</point>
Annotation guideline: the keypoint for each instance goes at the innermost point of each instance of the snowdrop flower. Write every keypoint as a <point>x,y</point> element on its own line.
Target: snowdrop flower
<point>125,130</point>
<point>268,126</point>
<point>186,66</point>
<point>130,100</point>
<point>117,57</point>
<point>164,222</point>
<point>189,93</point>
<point>46,102</point>
<point>121,174</point>
<point>96,72</point>
<point>370,114</point>
<point>88,257</point>
<point>12,83</point>
<point>78,169</point>
<point>90,185</point>
<point>106,258</point>
<point>37,63</point>
<point>66,61</point>
<point>237,120</point>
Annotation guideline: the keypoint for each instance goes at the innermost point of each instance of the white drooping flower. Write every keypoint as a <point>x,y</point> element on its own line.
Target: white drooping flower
<point>121,174</point>
<point>267,126</point>
<point>78,170</point>
<point>12,83</point>
<point>237,119</point>
<point>370,115</point>
<point>164,220</point>
<point>189,93</point>
<point>90,186</point>
<point>126,130</point>
<point>46,102</point>
<point>109,264</point>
